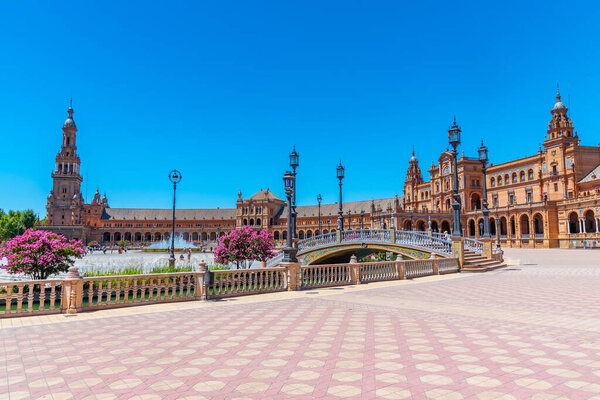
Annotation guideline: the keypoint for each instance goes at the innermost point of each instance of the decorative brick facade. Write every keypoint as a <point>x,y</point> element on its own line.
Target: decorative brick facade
<point>549,199</point>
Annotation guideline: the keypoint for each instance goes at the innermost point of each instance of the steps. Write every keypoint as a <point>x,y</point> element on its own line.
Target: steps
<point>477,263</point>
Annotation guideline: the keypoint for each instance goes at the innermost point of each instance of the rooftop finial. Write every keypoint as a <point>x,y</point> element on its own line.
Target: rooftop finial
<point>454,119</point>
<point>557,93</point>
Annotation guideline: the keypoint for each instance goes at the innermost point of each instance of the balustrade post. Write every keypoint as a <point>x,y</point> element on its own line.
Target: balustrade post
<point>393,235</point>
<point>436,267</point>
<point>458,250</point>
<point>401,269</point>
<point>487,247</point>
<point>72,296</point>
<point>293,275</point>
<point>338,236</point>
<point>354,270</point>
<point>200,285</point>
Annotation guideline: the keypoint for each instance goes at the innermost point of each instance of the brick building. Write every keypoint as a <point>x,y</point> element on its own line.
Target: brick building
<point>549,199</point>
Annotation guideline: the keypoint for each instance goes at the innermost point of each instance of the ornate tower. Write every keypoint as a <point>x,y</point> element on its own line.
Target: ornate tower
<point>560,127</point>
<point>413,179</point>
<point>65,202</point>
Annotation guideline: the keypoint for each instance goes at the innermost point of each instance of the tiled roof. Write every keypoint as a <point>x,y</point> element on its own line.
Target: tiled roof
<point>167,214</point>
<point>354,206</point>
<point>592,176</point>
<point>264,194</point>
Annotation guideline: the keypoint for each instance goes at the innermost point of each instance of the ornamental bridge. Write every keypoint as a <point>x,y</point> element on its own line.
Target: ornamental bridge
<point>339,246</point>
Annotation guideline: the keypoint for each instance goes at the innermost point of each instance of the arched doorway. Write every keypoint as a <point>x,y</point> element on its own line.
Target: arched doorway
<point>117,236</point>
<point>480,228</point>
<point>195,236</point>
<point>301,235</point>
<point>407,225</point>
<point>204,236</point>
<point>590,221</point>
<point>309,234</point>
<point>148,237</point>
<point>524,222</point>
<point>492,226</point>
<point>445,227</point>
<point>213,236</point>
<point>513,227</point>
<point>471,232</point>
<point>434,226</point>
<point>157,237</point>
<point>186,236</point>
<point>127,236</point>
<point>573,223</point>
<point>106,237</point>
<point>138,237</point>
<point>421,226</point>
<point>276,235</point>
<point>538,225</point>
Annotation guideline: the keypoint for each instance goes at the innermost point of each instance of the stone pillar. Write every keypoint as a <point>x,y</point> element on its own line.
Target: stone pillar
<point>487,247</point>
<point>294,282</point>
<point>392,235</point>
<point>458,250</point>
<point>354,270</point>
<point>201,288</point>
<point>72,297</point>
<point>400,267</point>
<point>436,267</point>
<point>338,236</point>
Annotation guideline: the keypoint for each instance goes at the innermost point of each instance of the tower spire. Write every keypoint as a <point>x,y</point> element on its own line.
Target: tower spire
<point>557,93</point>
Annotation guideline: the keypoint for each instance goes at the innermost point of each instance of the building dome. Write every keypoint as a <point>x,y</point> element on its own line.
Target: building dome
<point>69,123</point>
<point>559,106</point>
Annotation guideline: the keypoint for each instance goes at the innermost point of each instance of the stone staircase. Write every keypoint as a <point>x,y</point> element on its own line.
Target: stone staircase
<point>477,263</point>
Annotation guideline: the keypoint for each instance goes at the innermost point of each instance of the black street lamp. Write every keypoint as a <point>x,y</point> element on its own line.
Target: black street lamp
<point>289,254</point>
<point>483,157</point>
<point>175,178</point>
<point>340,176</point>
<point>498,231</point>
<point>362,218</point>
<point>454,139</point>
<point>319,198</point>
<point>294,162</point>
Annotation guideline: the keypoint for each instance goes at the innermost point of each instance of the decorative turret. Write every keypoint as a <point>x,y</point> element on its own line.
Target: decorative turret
<point>413,175</point>
<point>104,200</point>
<point>560,127</point>
<point>66,190</point>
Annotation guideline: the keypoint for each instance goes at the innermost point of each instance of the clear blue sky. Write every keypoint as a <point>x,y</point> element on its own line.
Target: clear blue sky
<point>221,90</point>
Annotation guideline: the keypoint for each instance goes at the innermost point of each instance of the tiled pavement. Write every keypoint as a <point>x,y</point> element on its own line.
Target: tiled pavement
<point>529,331</point>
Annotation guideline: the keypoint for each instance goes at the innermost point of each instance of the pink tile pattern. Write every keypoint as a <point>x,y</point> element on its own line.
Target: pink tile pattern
<point>528,332</point>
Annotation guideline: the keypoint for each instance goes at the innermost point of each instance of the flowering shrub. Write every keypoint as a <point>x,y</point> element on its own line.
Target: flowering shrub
<point>244,244</point>
<point>40,254</point>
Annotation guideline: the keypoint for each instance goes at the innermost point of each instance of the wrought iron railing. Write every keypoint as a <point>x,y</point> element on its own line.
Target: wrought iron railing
<point>473,245</point>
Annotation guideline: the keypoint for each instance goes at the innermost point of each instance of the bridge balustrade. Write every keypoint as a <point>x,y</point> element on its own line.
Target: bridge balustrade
<point>474,245</point>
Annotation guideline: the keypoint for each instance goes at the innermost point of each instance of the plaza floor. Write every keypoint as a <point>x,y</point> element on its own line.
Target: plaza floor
<point>529,331</point>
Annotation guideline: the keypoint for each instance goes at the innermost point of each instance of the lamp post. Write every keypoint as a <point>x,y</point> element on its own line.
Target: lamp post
<point>498,230</point>
<point>454,139</point>
<point>175,178</point>
<point>294,162</point>
<point>340,176</point>
<point>349,220</point>
<point>319,198</point>
<point>362,218</point>
<point>483,157</point>
<point>289,254</point>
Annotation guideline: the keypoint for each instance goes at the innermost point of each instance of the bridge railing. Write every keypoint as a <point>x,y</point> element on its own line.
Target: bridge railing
<point>273,261</point>
<point>474,245</point>
<point>317,241</point>
<point>424,241</point>
<point>371,235</point>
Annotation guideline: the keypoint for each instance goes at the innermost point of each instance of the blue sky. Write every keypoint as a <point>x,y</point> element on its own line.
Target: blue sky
<point>222,90</point>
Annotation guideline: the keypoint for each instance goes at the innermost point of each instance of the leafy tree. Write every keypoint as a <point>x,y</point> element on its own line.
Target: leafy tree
<point>40,254</point>
<point>243,244</point>
<point>16,223</point>
<point>123,243</point>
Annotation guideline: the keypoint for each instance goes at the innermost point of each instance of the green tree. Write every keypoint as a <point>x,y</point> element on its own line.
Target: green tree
<point>15,223</point>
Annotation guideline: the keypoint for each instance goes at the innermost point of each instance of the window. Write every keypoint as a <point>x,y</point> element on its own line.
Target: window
<point>511,199</point>
<point>506,179</point>
<point>529,196</point>
<point>495,200</point>
<point>570,195</point>
<point>556,187</point>
<point>514,177</point>
<point>530,174</point>
<point>499,180</point>
<point>554,170</point>
<point>492,181</point>
<point>522,176</point>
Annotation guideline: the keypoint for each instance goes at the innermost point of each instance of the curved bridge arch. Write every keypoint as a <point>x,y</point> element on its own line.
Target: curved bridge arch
<point>346,250</point>
<point>415,245</point>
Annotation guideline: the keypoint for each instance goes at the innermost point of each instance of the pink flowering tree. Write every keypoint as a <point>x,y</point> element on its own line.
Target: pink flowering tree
<point>244,244</point>
<point>40,254</point>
